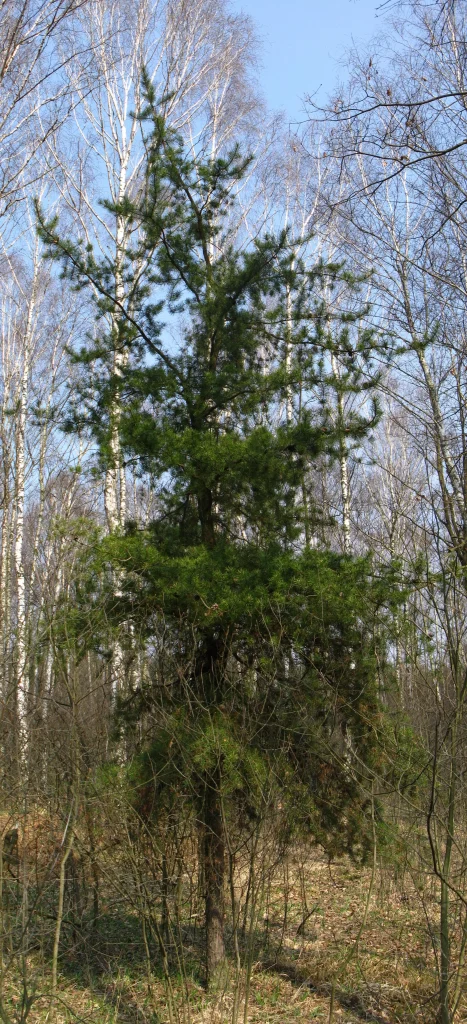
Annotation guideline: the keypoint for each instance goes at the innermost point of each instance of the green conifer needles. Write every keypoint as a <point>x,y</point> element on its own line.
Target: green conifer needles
<point>273,641</point>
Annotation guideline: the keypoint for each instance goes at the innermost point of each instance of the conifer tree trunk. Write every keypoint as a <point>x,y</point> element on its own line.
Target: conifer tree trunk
<point>211,818</point>
<point>214,871</point>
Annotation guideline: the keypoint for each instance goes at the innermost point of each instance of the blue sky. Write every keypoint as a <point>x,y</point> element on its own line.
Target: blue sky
<point>303,41</point>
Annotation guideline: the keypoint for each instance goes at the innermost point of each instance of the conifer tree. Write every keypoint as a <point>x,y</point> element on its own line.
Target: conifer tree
<point>280,634</point>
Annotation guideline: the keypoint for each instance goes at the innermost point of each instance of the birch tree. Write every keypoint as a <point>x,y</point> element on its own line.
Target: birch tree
<point>34,96</point>
<point>37,321</point>
<point>406,217</point>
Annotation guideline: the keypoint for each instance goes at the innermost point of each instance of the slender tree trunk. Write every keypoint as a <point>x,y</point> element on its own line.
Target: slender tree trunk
<point>445,943</point>
<point>288,355</point>
<point>343,460</point>
<point>345,490</point>
<point>21,645</point>
<point>115,484</point>
<point>5,588</point>
<point>115,480</point>
<point>445,955</point>
<point>214,878</point>
<point>67,845</point>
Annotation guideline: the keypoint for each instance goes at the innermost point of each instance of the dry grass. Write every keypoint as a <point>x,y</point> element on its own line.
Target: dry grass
<point>331,943</point>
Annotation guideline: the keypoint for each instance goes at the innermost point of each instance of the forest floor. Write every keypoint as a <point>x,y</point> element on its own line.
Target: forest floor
<point>363,953</point>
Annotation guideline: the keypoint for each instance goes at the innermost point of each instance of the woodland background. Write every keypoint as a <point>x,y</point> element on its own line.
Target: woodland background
<point>351,911</point>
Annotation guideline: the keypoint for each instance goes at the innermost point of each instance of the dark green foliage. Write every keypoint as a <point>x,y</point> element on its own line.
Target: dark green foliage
<point>266,688</point>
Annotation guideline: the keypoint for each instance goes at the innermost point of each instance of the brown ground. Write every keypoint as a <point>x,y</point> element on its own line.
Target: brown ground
<point>363,953</point>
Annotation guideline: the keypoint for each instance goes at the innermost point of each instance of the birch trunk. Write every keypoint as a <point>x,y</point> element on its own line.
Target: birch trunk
<point>343,460</point>
<point>115,485</point>
<point>21,644</point>
<point>7,463</point>
<point>115,482</point>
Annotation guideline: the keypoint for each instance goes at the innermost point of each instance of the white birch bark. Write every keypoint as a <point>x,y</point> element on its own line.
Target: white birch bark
<point>7,386</point>
<point>343,460</point>
<point>21,421</point>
